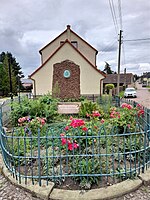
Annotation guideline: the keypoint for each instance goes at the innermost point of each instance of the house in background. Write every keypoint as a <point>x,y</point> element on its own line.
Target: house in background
<point>26,84</point>
<point>145,79</point>
<point>68,63</point>
<point>126,80</point>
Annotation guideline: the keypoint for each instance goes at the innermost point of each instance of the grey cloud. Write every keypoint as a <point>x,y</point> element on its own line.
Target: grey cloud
<point>92,20</point>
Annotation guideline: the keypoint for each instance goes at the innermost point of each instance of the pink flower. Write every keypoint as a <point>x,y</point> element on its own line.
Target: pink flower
<point>124,105</point>
<point>114,114</point>
<point>85,129</point>
<point>77,122</point>
<point>72,146</point>
<point>66,128</point>
<point>128,125</point>
<point>128,106</point>
<point>23,119</point>
<point>62,134</point>
<point>71,118</point>
<point>140,112</point>
<point>139,106</point>
<point>102,121</point>
<point>96,114</point>
<point>63,141</point>
<point>88,115</point>
<point>42,121</point>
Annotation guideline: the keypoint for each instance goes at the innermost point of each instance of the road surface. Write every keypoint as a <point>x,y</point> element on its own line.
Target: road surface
<point>143,95</point>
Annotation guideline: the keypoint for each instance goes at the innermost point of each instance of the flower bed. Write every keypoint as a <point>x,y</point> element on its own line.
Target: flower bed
<point>103,148</point>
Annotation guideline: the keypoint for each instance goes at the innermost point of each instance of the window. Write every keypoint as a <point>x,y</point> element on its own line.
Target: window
<point>74,43</point>
<point>61,42</point>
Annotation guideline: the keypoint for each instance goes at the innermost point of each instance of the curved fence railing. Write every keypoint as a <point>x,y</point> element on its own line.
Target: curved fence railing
<point>96,158</point>
<point>99,155</point>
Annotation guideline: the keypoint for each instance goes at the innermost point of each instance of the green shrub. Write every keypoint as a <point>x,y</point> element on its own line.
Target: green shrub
<point>109,87</point>
<point>45,106</point>
<point>87,107</point>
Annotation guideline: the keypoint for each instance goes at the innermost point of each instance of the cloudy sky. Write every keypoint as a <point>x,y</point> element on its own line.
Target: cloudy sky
<point>28,25</point>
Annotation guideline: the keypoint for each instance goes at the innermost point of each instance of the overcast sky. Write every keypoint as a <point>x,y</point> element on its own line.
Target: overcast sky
<point>28,25</point>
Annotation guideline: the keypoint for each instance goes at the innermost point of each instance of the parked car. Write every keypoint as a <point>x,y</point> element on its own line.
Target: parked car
<point>130,92</point>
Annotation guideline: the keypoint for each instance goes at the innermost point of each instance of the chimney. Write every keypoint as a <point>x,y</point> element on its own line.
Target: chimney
<point>68,33</point>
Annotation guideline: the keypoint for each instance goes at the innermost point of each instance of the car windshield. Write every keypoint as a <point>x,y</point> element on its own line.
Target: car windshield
<point>130,89</point>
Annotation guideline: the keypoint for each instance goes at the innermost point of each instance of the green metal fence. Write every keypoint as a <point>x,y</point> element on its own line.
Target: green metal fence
<point>100,156</point>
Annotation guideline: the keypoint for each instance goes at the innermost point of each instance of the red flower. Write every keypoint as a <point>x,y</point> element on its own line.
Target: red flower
<point>63,141</point>
<point>77,122</point>
<point>128,106</point>
<point>42,121</point>
<point>102,121</point>
<point>71,118</point>
<point>140,112</point>
<point>84,129</point>
<point>66,128</point>
<point>96,114</point>
<point>72,146</point>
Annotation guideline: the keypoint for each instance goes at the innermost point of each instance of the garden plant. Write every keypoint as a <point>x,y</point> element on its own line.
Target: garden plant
<point>85,149</point>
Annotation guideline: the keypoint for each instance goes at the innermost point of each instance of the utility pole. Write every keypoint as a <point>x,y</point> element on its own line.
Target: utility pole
<point>10,80</point>
<point>119,58</point>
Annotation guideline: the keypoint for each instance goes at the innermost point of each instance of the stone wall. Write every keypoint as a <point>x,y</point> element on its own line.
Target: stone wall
<point>66,87</point>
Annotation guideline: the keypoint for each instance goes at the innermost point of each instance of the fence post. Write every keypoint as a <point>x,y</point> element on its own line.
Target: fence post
<point>1,122</point>
<point>148,122</point>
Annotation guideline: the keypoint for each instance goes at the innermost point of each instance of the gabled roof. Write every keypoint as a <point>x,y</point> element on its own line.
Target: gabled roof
<point>68,27</point>
<point>112,78</point>
<point>146,75</point>
<point>67,41</point>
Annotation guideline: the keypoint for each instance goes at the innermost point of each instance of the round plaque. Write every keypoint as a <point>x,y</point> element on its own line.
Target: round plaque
<point>66,73</point>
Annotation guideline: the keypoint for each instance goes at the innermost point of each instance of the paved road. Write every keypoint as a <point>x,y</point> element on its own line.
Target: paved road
<point>10,192</point>
<point>143,95</point>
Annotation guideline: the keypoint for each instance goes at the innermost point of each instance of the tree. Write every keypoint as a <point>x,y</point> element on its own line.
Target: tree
<point>107,69</point>
<point>8,65</point>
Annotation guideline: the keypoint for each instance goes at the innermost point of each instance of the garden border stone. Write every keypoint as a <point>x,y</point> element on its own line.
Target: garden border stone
<point>42,192</point>
<point>46,192</point>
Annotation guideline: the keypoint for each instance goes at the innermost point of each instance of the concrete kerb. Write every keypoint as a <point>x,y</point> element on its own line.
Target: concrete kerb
<point>46,192</point>
<point>42,192</point>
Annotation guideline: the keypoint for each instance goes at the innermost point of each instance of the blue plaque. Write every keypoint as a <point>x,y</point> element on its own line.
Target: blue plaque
<point>66,73</point>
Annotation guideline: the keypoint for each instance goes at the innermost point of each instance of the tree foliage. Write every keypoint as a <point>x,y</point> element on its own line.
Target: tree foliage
<point>10,71</point>
<point>107,69</point>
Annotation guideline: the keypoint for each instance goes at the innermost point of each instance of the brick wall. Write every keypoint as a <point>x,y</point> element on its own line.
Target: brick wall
<point>66,87</point>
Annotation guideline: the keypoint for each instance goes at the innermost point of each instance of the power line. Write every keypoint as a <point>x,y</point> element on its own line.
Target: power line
<point>140,39</point>
<point>113,13</point>
<point>120,13</point>
<point>108,47</point>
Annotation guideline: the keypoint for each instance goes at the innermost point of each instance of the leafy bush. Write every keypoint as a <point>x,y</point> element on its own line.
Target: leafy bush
<point>109,87</point>
<point>88,107</point>
<point>45,106</point>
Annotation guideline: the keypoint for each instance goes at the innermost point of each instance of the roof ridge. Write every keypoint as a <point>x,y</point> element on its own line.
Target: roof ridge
<point>68,27</point>
<point>67,41</point>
